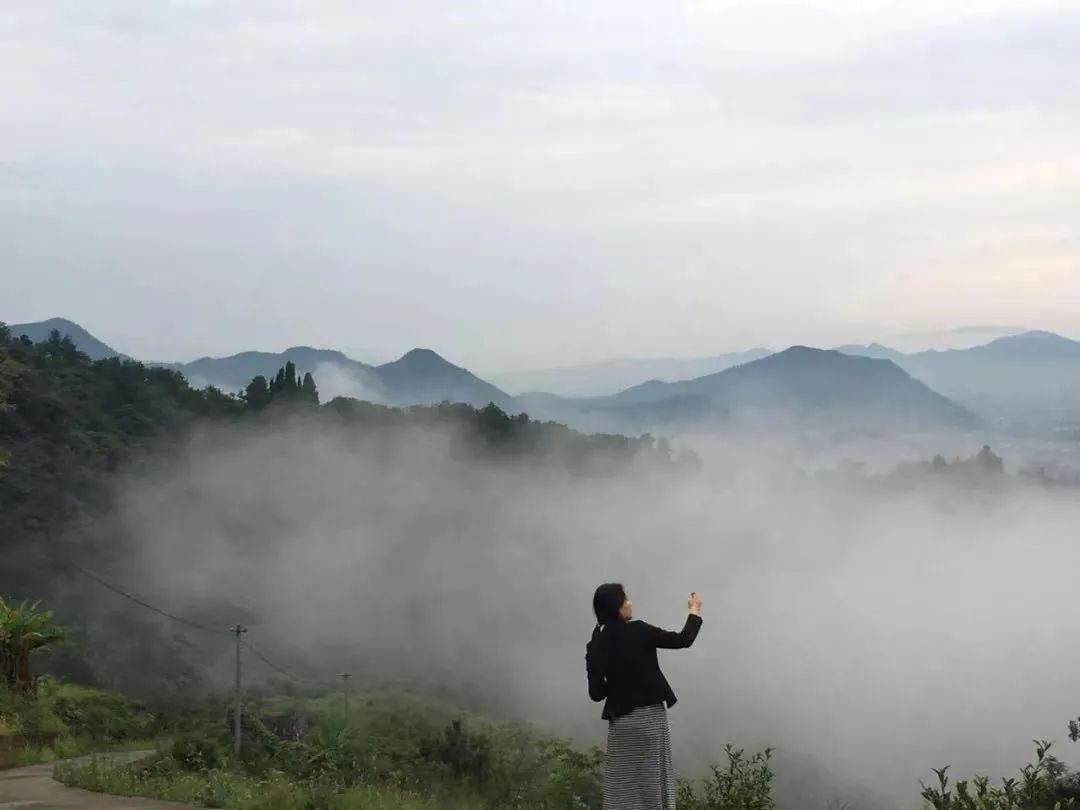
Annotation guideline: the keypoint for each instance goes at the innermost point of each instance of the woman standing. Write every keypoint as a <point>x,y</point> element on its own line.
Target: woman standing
<point>623,671</point>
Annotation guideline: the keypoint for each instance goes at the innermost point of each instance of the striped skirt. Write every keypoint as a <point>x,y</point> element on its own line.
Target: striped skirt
<point>638,774</point>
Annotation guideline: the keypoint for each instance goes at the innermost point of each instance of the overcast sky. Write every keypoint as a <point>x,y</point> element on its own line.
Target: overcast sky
<point>522,184</point>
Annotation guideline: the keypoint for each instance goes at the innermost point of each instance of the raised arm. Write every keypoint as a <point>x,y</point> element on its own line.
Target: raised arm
<point>670,640</point>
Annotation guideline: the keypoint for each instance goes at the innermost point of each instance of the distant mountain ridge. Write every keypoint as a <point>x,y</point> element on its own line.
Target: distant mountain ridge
<point>1024,377</point>
<point>419,377</point>
<point>86,342</point>
<point>611,376</point>
<point>799,385</point>
<point>235,371</point>
<point>1031,376</point>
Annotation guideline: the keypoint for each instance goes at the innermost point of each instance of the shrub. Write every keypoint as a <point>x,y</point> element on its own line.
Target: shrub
<point>576,780</point>
<point>1041,785</point>
<point>197,752</point>
<point>466,753</point>
<point>745,783</point>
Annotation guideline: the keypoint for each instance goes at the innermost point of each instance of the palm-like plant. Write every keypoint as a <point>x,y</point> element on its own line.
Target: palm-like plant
<point>24,627</point>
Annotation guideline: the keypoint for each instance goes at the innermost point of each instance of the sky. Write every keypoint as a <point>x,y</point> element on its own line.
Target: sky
<point>522,185</point>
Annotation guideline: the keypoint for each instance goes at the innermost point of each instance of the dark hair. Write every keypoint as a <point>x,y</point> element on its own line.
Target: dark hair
<point>607,602</point>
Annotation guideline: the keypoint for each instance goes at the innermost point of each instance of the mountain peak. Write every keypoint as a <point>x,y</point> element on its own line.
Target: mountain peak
<point>62,325</point>
<point>808,354</point>
<point>802,383</point>
<point>1038,344</point>
<point>421,360</point>
<point>424,376</point>
<point>1036,337</point>
<point>422,354</point>
<point>40,330</point>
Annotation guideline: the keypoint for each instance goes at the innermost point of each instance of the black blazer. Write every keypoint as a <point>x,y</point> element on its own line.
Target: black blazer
<point>623,669</point>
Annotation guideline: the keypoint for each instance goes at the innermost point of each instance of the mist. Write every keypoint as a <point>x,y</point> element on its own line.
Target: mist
<point>879,630</point>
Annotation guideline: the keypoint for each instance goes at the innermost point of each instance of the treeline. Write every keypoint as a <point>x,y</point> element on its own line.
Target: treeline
<point>981,471</point>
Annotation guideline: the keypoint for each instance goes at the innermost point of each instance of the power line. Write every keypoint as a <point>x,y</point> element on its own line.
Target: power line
<point>281,670</point>
<point>180,619</point>
<point>132,597</point>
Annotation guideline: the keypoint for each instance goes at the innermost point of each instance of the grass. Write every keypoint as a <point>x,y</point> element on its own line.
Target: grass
<point>226,789</point>
<point>64,720</point>
<point>20,756</point>
<point>399,751</point>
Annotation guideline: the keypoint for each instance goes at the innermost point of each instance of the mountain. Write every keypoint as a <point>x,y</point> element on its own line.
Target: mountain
<point>420,377</point>
<point>1033,377</point>
<point>87,343</point>
<point>1030,380</point>
<point>345,377</point>
<point>800,385</point>
<point>611,376</point>
<point>964,337</point>
<point>875,350</point>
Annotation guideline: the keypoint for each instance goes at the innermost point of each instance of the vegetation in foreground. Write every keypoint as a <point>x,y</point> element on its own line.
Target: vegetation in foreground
<point>398,752</point>
<point>395,756</point>
<point>63,720</point>
<point>42,720</point>
<point>1045,784</point>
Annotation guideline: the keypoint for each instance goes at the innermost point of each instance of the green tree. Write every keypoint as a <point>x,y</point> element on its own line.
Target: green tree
<point>24,627</point>
<point>257,395</point>
<point>309,390</point>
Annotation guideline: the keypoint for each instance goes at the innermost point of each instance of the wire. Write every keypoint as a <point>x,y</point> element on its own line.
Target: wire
<point>121,592</point>
<point>281,670</point>
<point>143,603</point>
<point>161,612</point>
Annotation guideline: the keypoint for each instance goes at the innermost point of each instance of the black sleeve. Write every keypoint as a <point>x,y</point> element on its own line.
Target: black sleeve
<point>595,672</point>
<point>668,640</point>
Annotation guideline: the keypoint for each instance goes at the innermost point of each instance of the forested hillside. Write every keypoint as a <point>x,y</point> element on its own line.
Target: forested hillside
<point>70,425</point>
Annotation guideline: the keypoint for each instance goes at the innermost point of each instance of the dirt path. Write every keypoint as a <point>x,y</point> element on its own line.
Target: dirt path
<point>34,788</point>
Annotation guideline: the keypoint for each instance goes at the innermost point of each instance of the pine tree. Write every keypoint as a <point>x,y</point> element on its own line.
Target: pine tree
<point>310,393</point>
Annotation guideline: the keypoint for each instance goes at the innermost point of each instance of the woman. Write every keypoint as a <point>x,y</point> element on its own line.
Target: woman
<point>623,671</point>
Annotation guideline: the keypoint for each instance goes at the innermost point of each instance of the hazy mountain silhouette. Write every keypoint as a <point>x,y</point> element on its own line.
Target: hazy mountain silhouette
<point>798,385</point>
<point>963,337</point>
<point>420,377</point>
<point>87,343</point>
<point>234,372</point>
<point>423,376</point>
<point>611,376</point>
<point>1034,376</point>
<point>1027,379</point>
<point>875,350</point>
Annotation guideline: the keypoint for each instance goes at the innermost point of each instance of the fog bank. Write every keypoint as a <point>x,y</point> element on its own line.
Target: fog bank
<point>883,629</point>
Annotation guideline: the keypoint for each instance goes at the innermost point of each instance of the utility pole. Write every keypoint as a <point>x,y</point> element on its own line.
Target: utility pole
<point>237,630</point>
<point>345,682</point>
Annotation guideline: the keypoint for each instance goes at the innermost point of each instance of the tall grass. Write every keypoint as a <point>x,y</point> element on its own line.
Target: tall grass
<point>62,720</point>
<point>236,791</point>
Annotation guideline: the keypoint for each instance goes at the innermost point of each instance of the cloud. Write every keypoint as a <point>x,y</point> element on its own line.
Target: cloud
<point>446,172</point>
